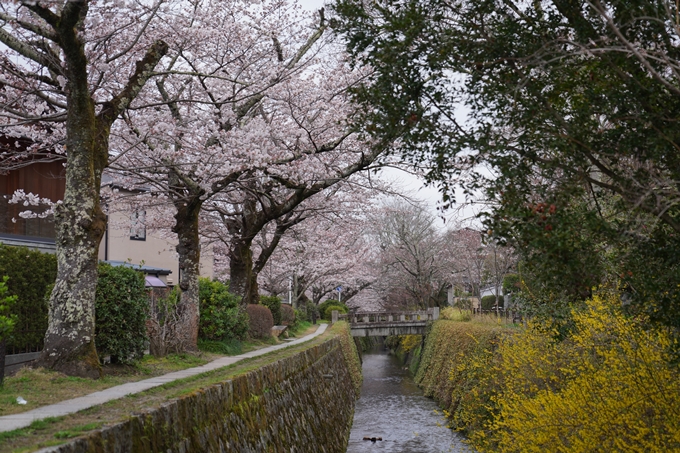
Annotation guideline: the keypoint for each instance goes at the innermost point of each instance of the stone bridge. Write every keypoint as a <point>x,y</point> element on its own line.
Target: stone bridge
<point>385,323</point>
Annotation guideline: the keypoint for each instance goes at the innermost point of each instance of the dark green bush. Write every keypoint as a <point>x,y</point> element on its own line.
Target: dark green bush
<point>511,283</point>
<point>274,305</point>
<point>301,313</point>
<point>287,315</point>
<point>329,302</point>
<point>488,302</point>
<point>328,312</point>
<point>221,317</point>
<point>261,321</point>
<point>312,312</point>
<point>121,311</point>
<point>31,274</point>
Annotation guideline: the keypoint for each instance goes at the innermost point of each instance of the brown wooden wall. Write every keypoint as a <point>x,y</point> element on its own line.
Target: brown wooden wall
<point>46,179</point>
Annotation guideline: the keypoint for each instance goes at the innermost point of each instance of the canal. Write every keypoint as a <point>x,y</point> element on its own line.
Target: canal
<point>394,408</point>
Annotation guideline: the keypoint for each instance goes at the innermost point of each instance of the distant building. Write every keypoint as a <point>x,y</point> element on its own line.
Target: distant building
<point>491,291</point>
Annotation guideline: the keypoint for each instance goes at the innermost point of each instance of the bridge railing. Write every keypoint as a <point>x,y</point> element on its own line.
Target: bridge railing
<point>378,317</point>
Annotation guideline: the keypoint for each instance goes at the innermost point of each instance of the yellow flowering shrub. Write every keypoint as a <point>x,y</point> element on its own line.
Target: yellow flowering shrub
<point>409,342</point>
<point>608,388</point>
<point>455,314</point>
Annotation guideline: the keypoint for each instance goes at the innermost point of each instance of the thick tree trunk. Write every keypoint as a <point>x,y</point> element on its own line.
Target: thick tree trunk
<point>243,278</point>
<point>80,225</point>
<point>79,220</point>
<point>185,336</point>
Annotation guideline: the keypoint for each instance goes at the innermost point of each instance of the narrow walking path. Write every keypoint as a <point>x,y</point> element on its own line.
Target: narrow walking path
<point>22,420</point>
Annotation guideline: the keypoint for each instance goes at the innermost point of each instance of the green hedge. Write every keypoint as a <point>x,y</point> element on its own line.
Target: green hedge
<point>31,274</point>
<point>287,315</point>
<point>274,305</point>
<point>489,302</point>
<point>327,314</point>
<point>221,317</point>
<point>336,304</point>
<point>121,311</point>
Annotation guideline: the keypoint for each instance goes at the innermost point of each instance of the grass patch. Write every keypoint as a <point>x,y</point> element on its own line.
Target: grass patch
<point>299,328</point>
<point>119,410</point>
<point>40,387</point>
<point>226,347</point>
<point>235,347</point>
<point>37,425</point>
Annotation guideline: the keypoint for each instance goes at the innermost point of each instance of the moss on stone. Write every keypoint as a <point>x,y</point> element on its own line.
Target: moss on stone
<point>288,405</point>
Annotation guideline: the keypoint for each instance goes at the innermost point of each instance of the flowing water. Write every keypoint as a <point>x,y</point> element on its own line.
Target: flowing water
<point>394,408</point>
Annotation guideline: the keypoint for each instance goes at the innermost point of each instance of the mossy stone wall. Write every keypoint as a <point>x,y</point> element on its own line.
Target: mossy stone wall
<point>304,403</point>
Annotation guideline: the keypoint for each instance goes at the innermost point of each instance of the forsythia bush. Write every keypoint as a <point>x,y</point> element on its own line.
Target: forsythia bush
<point>609,387</point>
<point>410,342</point>
<point>449,346</point>
<point>455,314</point>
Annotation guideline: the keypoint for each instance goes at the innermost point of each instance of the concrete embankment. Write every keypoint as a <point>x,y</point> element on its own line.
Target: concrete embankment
<point>302,403</point>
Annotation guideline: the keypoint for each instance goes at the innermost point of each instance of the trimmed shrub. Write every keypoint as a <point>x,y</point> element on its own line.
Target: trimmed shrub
<point>31,275</point>
<point>327,303</point>
<point>121,310</point>
<point>261,321</point>
<point>301,313</point>
<point>274,305</point>
<point>226,347</point>
<point>221,317</point>
<point>287,315</point>
<point>489,302</point>
<point>7,323</point>
<point>328,312</point>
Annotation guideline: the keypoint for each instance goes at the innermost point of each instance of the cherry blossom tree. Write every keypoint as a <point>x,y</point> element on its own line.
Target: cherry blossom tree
<point>329,250</point>
<point>69,69</point>
<point>413,268</point>
<point>249,120</point>
<point>469,266</point>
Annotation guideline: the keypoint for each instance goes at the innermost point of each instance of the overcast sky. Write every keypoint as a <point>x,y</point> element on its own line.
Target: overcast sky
<point>408,183</point>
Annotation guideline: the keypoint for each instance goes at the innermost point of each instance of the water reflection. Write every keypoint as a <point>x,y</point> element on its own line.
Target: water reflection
<point>393,407</point>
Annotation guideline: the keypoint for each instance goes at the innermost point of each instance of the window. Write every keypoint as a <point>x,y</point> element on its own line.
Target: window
<point>137,226</point>
<point>43,179</point>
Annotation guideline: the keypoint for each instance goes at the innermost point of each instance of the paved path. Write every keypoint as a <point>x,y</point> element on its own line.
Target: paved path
<point>22,420</point>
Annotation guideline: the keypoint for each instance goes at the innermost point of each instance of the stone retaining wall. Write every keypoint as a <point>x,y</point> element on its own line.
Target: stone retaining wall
<point>304,403</point>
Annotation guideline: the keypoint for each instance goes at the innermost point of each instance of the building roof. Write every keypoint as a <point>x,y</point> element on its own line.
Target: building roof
<point>153,282</point>
<point>141,267</point>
